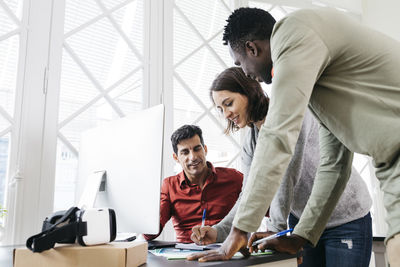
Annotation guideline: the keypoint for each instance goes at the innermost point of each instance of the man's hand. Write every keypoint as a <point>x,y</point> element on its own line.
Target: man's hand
<point>255,237</point>
<point>204,235</point>
<point>289,244</point>
<point>236,241</point>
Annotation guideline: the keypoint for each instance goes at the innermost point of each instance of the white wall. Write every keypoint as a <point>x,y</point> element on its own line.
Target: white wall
<point>382,16</point>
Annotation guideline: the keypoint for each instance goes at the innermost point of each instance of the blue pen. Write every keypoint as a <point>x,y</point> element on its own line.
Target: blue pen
<point>259,241</point>
<point>203,219</point>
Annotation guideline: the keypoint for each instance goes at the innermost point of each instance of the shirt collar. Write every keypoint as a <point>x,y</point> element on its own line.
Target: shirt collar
<point>183,181</point>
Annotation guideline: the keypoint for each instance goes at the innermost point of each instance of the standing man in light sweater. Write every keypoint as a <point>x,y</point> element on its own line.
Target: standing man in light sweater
<point>348,75</point>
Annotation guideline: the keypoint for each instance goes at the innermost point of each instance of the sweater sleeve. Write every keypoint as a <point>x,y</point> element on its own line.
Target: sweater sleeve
<point>332,176</point>
<point>281,203</point>
<point>224,226</point>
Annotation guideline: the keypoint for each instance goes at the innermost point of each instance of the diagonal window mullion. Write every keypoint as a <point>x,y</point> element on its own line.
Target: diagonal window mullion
<point>83,108</point>
<point>129,74</point>
<point>201,37</point>
<point>197,49</point>
<point>219,124</point>
<point>10,13</point>
<point>191,93</point>
<point>96,98</point>
<point>8,35</point>
<point>120,31</point>
<point>133,88</point>
<point>92,79</point>
<point>68,144</point>
<point>126,76</point>
<point>6,115</point>
<point>226,6</point>
<point>365,166</point>
<point>5,131</point>
<point>196,98</point>
<point>80,110</point>
<point>83,26</point>
<point>95,19</point>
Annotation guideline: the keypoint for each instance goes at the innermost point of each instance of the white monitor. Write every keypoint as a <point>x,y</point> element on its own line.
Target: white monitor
<point>130,150</point>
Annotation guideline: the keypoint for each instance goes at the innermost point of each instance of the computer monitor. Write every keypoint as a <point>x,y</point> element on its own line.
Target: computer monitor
<point>130,151</point>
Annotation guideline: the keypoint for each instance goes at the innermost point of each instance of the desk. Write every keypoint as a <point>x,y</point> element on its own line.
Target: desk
<point>275,260</point>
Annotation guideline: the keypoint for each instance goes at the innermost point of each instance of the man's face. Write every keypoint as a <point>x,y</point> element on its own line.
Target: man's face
<point>191,156</point>
<point>255,61</point>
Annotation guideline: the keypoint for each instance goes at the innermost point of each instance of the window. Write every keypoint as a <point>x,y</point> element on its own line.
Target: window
<point>199,56</point>
<point>101,77</point>
<point>10,36</point>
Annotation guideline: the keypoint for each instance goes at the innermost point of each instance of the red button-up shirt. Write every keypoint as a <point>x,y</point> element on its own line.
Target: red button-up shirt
<point>185,202</point>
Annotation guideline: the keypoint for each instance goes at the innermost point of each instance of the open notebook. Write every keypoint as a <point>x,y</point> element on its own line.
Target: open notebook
<point>181,254</point>
<point>193,246</point>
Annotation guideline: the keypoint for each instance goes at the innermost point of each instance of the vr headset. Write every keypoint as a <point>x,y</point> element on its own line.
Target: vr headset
<point>88,227</point>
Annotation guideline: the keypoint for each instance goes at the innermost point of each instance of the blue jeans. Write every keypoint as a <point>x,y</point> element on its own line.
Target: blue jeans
<point>347,245</point>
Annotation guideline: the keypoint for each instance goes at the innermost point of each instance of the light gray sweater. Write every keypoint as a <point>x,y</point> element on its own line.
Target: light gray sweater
<point>297,183</point>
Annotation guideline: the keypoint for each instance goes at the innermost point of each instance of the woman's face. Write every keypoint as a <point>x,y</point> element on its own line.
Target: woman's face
<point>232,105</point>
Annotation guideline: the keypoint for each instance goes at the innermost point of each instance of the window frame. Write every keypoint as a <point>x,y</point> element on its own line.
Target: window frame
<point>32,163</point>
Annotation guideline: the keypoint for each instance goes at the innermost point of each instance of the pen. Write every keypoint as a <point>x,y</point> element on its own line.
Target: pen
<point>203,219</point>
<point>259,241</point>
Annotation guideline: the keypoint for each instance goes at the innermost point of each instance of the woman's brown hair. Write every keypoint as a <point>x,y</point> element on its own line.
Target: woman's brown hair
<point>234,80</point>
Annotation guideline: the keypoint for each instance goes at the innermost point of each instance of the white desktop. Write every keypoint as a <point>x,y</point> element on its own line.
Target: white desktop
<point>130,152</point>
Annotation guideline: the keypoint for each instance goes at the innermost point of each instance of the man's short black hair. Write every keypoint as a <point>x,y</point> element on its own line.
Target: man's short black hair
<point>183,133</point>
<point>247,24</point>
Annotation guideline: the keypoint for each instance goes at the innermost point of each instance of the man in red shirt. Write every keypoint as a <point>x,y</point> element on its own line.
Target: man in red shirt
<point>199,186</point>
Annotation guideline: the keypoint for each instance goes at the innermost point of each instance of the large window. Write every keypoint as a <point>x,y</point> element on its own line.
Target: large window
<point>10,34</point>
<point>83,63</point>
<point>199,56</point>
<point>101,77</point>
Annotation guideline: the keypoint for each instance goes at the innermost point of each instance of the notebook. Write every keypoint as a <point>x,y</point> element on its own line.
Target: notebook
<point>193,246</point>
<point>181,254</point>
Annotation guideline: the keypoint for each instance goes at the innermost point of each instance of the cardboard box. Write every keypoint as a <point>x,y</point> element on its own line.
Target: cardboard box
<point>116,254</point>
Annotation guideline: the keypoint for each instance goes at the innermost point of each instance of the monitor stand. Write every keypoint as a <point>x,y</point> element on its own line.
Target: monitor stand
<point>96,182</point>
